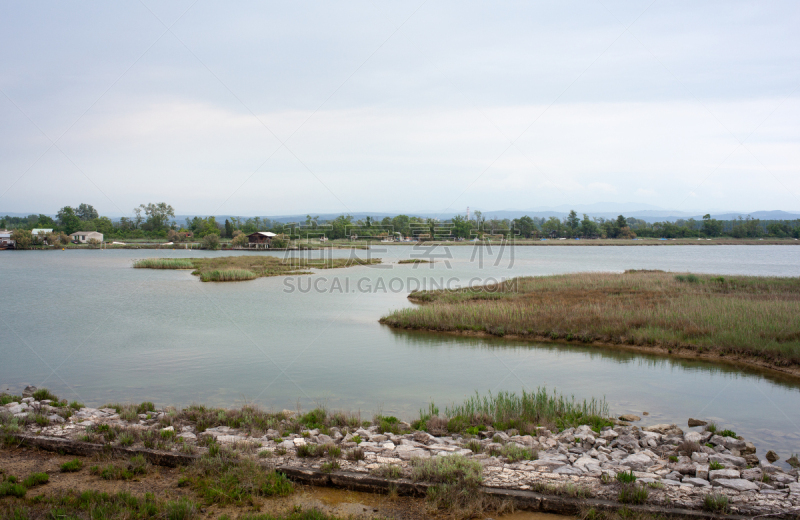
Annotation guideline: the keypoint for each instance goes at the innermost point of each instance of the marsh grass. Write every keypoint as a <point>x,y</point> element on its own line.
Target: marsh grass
<point>456,485</point>
<point>715,502</point>
<point>222,480</point>
<point>228,275</point>
<point>164,263</point>
<point>524,412</point>
<point>738,315</point>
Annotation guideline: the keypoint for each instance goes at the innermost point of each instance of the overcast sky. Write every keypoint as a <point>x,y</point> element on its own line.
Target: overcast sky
<point>292,107</point>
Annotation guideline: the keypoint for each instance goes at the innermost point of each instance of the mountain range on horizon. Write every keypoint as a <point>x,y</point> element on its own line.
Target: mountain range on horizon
<point>646,212</point>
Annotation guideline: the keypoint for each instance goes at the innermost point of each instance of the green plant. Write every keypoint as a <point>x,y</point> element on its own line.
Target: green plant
<point>35,479</point>
<point>727,433</point>
<point>163,263</point>
<point>12,489</point>
<point>307,450</point>
<point>265,454</point>
<point>715,502</point>
<point>711,427</point>
<point>72,466</point>
<point>354,454</point>
<point>43,393</point>
<point>626,477</point>
<point>220,480</point>
<point>474,446</point>
<point>356,438</point>
<point>655,485</point>
<point>673,458</point>
<point>126,439</point>
<point>714,465</point>
<point>514,453</point>
<point>633,494</point>
<point>388,471</point>
<point>75,405</point>
<point>474,430</point>
<point>330,467</point>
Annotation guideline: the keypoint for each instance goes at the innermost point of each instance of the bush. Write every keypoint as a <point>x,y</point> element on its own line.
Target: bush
<point>240,241</point>
<point>714,465</point>
<point>626,477</point>
<point>36,479</point>
<point>211,242</point>
<point>43,394</point>
<point>22,238</point>
<point>72,466</point>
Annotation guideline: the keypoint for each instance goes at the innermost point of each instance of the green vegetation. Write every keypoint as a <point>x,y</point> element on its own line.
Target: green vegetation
<point>633,494</point>
<point>164,263</point>
<point>240,268</point>
<point>715,502</point>
<point>223,480</point>
<point>727,433</point>
<point>415,261</point>
<point>626,477</point>
<point>515,453</point>
<point>747,315</point>
<point>524,412</point>
<point>457,481</point>
<point>136,466</point>
<point>72,466</point>
<point>389,471</point>
<point>714,465</point>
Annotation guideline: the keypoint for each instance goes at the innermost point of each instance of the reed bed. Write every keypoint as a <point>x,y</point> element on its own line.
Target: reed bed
<point>248,267</point>
<point>228,275</point>
<point>164,263</point>
<point>755,316</point>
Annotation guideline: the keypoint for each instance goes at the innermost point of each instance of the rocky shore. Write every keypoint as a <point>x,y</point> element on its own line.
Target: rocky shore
<point>667,466</point>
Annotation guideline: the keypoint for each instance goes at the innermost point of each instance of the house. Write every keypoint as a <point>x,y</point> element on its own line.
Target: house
<point>5,240</point>
<point>260,238</point>
<point>41,232</point>
<point>82,237</point>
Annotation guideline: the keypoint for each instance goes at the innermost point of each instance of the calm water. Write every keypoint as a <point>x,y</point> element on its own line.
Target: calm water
<point>88,326</point>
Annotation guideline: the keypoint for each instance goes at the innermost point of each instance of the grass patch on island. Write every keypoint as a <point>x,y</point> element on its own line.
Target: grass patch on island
<point>249,267</point>
<point>745,315</point>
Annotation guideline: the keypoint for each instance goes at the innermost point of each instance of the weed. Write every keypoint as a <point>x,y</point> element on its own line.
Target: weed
<point>219,480</point>
<point>43,394</point>
<point>388,471</point>
<point>626,477</point>
<point>514,452</point>
<point>35,479</point>
<point>145,407</point>
<point>126,439</point>
<point>715,502</point>
<point>633,494</point>
<point>673,458</point>
<point>711,427</point>
<point>727,433</point>
<point>307,450</point>
<point>354,454</point>
<point>12,489</point>
<point>330,467</point>
<point>264,454</point>
<point>474,446</point>
<point>356,438</point>
<point>655,485</point>
<point>714,465</point>
<point>72,466</point>
<point>163,263</point>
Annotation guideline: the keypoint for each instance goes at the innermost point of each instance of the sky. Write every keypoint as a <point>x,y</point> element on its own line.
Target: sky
<point>275,108</point>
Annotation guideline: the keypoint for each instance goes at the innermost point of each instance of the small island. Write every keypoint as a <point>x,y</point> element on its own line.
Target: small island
<point>745,319</point>
<point>241,268</point>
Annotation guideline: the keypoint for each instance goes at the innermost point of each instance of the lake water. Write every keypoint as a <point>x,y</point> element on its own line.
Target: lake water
<point>89,327</point>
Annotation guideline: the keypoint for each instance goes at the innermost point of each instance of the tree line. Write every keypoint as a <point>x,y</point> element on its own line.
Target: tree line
<point>157,221</point>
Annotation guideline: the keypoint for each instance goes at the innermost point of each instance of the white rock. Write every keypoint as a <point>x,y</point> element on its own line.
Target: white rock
<point>697,482</point>
<point>692,436</point>
<point>738,484</point>
<point>723,474</point>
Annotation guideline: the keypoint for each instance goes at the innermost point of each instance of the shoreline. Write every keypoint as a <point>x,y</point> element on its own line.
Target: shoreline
<point>662,468</point>
<point>683,351</point>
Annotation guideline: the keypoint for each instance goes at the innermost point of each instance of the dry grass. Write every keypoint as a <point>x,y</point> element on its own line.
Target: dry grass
<point>737,314</point>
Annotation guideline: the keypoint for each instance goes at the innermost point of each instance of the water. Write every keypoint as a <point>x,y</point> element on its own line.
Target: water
<point>89,327</point>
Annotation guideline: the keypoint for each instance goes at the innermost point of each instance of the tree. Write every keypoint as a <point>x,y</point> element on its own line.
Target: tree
<point>68,220</point>
<point>621,222</point>
<point>711,226</point>
<point>211,242</point>
<point>86,212</point>
<point>552,227</point>
<point>22,238</point>
<point>228,228</point>
<point>589,227</point>
<point>525,225</point>
<point>573,223</point>
<point>158,215</point>
<point>240,240</point>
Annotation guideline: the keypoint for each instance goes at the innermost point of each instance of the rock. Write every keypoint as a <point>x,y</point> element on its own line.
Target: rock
<point>737,484</point>
<point>568,470</point>
<point>629,417</point>
<point>189,436</point>
<point>752,474</point>
<point>730,460</point>
<point>697,482</point>
<point>701,458</point>
<point>723,473</point>
<point>324,439</point>
<point>29,390</point>
<point>15,409</point>
<point>637,461</point>
<point>55,418</point>
<point>749,448</point>
<point>423,437</point>
<point>701,471</point>
<point>609,434</point>
<point>734,444</point>
<point>794,487</point>
<point>717,440</point>
<point>696,422</point>
<point>766,467</point>
<point>660,428</point>
<point>772,456</point>
<point>685,469</point>
<point>693,437</point>
<point>299,441</point>
<point>287,444</point>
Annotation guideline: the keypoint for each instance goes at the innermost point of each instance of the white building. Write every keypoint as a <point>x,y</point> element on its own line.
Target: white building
<point>81,237</point>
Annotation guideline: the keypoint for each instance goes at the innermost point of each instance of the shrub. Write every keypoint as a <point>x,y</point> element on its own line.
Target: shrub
<point>354,454</point>
<point>727,433</point>
<point>329,467</point>
<point>711,427</point>
<point>72,466</point>
<point>145,407</point>
<point>514,453</point>
<point>474,446</point>
<point>12,489</point>
<point>357,439</point>
<point>211,242</point>
<point>714,465</point>
<point>181,509</point>
<point>223,481</point>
